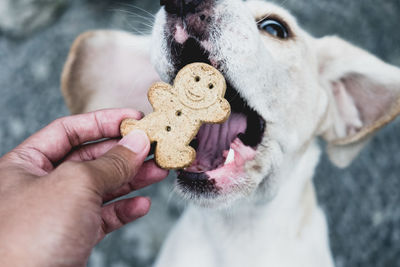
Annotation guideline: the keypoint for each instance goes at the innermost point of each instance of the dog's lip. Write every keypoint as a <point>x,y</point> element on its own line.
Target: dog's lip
<point>228,173</point>
<point>220,162</point>
<point>209,184</point>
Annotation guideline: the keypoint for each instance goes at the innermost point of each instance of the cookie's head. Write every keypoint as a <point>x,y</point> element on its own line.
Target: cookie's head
<point>199,86</point>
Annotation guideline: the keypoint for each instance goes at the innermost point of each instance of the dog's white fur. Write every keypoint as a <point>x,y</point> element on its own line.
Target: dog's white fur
<point>303,87</point>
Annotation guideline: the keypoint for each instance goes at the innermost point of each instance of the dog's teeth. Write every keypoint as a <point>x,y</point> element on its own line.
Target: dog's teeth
<point>231,156</point>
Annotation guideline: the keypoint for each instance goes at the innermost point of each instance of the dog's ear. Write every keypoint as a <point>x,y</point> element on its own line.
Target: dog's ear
<point>364,96</point>
<point>108,69</point>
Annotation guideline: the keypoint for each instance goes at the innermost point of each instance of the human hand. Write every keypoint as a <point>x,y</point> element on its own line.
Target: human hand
<point>52,189</point>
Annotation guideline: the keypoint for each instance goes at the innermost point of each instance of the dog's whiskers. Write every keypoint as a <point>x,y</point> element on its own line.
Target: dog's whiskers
<point>135,15</point>
<point>138,27</point>
<point>127,8</point>
<point>140,9</point>
<point>137,23</point>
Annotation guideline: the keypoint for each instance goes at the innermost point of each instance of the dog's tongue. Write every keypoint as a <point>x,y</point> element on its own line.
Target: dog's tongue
<point>214,139</point>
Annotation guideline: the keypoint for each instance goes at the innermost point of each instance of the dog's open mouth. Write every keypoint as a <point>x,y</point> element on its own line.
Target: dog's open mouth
<point>222,149</point>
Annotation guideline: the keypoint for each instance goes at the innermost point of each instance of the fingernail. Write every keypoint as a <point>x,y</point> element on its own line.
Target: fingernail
<point>136,141</point>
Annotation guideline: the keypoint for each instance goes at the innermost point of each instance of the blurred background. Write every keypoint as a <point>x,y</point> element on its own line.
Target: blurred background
<point>361,202</point>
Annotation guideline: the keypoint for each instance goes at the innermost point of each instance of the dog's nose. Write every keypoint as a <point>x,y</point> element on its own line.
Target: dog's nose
<point>189,18</point>
<point>180,7</point>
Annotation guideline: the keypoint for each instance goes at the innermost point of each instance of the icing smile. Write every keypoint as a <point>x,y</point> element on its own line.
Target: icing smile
<point>193,96</point>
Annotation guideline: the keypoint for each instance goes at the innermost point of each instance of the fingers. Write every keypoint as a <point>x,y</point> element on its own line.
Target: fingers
<point>119,213</point>
<point>57,139</point>
<point>119,165</point>
<point>148,174</point>
<point>92,151</point>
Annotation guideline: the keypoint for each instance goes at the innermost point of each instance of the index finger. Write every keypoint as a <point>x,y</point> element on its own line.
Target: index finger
<point>57,139</point>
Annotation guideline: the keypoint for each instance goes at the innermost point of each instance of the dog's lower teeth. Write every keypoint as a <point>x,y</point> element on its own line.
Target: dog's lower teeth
<point>231,156</point>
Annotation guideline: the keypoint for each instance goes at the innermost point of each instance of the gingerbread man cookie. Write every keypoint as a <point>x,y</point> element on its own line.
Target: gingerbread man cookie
<point>196,97</point>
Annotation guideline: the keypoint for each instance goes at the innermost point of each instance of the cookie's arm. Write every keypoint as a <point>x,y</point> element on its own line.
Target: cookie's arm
<point>160,95</point>
<point>218,113</point>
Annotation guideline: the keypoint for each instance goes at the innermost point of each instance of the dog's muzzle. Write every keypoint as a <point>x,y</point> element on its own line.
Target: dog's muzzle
<point>189,18</point>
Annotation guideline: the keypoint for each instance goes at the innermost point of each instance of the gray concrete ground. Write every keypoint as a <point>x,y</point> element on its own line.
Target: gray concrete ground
<point>361,202</point>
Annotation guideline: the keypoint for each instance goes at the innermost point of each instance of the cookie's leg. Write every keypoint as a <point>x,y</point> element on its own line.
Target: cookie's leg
<point>169,156</point>
<point>127,126</point>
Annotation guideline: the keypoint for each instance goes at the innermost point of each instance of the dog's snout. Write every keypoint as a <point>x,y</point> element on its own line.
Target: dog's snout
<point>181,7</point>
<point>189,18</point>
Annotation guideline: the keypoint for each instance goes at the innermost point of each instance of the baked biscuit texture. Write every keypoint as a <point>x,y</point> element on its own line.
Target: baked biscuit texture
<point>196,97</point>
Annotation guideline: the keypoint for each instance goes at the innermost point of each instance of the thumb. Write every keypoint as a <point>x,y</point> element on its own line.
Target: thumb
<point>120,164</point>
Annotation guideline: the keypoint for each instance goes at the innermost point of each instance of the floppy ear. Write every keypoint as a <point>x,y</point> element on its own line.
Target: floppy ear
<point>108,69</point>
<point>364,96</point>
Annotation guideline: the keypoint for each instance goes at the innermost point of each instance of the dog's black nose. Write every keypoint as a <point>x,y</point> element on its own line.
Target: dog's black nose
<point>180,7</point>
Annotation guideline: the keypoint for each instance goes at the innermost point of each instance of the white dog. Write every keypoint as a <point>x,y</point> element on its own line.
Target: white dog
<point>251,188</point>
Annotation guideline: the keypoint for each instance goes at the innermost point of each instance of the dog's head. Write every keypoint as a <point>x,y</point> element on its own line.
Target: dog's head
<point>284,86</point>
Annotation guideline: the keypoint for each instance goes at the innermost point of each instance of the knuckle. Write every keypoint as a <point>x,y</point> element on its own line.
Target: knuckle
<point>67,166</point>
<point>78,176</point>
<point>79,171</point>
<point>84,154</point>
<point>120,219</point>
<point>56,122</point>
<point>120,166</point>
<point>84,171</point>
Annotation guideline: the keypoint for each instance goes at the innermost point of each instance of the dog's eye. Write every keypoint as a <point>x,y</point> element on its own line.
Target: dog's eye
<point>274,28</point>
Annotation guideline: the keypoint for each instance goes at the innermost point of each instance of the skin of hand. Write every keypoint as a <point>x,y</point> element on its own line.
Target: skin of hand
<point>54,186</point>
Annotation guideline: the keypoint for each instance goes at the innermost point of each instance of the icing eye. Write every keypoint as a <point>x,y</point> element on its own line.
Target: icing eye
<point>197,79</point>
<point>168,128</point>
<point>211,86</point>
<point>178,113</point>
<point>274,28</point>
